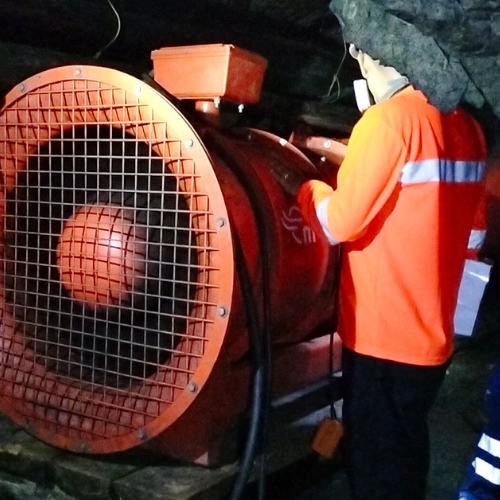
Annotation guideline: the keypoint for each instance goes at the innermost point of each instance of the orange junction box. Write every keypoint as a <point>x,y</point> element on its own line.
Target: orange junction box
<point>207,72</point>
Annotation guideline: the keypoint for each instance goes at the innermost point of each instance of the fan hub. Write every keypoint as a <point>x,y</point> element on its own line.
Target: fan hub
<point>101,255</point>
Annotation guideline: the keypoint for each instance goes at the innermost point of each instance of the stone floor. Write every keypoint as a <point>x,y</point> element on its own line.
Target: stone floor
<point>31,470</point>
<point>455,423</point>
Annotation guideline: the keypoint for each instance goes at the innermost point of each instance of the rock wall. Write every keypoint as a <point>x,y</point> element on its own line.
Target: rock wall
<point>449,49</point>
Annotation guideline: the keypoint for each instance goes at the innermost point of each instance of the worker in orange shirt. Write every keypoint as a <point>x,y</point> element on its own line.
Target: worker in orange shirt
<point>403,208</point>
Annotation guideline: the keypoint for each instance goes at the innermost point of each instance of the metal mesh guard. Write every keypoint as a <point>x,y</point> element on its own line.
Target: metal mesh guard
<point>113,299</point>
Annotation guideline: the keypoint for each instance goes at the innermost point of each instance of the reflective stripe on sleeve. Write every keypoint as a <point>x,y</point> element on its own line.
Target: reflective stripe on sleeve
<point>441,171</point>
<point>489,444</point>
<point>322,215</point>
<point>487,471</point>
<point>476,239</point>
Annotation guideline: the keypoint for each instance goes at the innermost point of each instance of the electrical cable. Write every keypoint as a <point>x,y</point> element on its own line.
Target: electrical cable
<point>258,375</point>
<point>335,80</point>
<point>336,289</point>
<point>260,337</point>
<point>118,29</point>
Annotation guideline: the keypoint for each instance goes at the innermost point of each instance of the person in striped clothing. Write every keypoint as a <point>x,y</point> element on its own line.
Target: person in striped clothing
<point>483,474</point>
<point>482,480</point>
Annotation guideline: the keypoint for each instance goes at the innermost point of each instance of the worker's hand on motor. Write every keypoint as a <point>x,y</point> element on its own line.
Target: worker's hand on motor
<point>288,179</point>
<point>310,194</point>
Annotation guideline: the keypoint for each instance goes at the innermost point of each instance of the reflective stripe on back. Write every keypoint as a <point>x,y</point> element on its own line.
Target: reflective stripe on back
<point>441,171</point>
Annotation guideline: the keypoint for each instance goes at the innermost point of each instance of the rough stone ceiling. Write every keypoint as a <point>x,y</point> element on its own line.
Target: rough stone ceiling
<point>301,12</point>
<point>448,48</point>
<point>301,41</point>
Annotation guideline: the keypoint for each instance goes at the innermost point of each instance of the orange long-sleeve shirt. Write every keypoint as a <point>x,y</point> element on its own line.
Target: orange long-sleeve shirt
<point>405,199</point>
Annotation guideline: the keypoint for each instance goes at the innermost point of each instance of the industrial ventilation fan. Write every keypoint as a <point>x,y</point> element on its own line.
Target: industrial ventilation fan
<point>122,314</point>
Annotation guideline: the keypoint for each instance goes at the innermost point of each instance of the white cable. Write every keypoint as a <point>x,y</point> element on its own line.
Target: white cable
<point>119,27</point>
<point>336,79</point>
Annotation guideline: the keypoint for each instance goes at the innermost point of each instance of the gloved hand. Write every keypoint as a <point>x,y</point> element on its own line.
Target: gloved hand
<point>310,195</point>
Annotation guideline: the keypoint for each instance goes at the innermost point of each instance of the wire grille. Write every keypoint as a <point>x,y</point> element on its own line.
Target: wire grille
<point>109,261</point>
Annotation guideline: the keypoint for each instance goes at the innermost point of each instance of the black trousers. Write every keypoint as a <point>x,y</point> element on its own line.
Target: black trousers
<point>386,436</point>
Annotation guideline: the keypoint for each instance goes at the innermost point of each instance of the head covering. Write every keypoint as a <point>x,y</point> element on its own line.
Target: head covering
<point>353,51</point>
<point>383,81</point>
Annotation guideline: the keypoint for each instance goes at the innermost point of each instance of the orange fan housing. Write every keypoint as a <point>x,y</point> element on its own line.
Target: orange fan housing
<point>122,316</point>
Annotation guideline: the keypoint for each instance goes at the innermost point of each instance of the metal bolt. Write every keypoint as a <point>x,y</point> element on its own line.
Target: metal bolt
<point>190,143</point>
<point>138,90</point>
<point>83,447</point>
<point>241,107</point>
<point>283,142</point>
<point>22,87</point>
<point>327,143</point>
<point>217,102</point>
<point>27,427</point>
<point>323,159</point>
<point>220,222</point>
<point>142,435</point>
<point>222,311</point>
<point>192,387</point>
<point>78,72</point>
